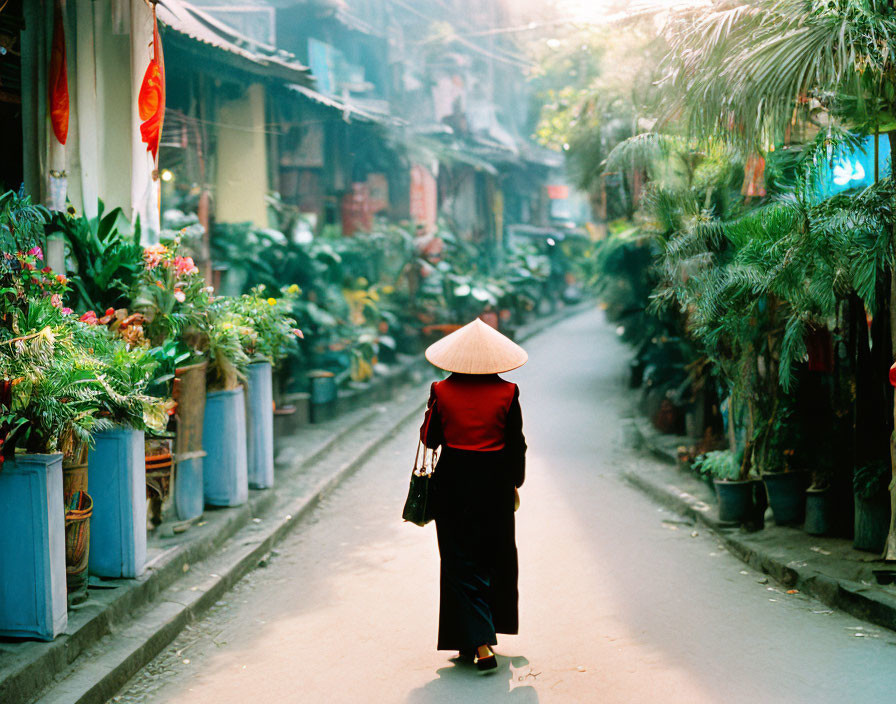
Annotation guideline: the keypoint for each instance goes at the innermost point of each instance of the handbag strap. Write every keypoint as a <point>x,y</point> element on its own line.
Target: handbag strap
<point>421,469</point>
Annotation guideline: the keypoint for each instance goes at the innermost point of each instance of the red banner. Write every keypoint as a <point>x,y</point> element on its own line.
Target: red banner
<point>58,97</point>
<point>151,100</point>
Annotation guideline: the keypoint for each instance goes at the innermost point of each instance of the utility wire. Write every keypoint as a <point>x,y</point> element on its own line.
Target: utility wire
<point>498,54</point>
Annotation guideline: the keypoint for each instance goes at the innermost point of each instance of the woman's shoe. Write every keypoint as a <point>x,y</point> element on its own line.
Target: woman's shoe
<point>466,655</point>
<point>486,664</point>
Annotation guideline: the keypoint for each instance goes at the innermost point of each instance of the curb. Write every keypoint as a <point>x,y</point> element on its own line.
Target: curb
<point>854,598</point>
<point>97,679</point>
<point>161,573</point>
<point>102,677</point>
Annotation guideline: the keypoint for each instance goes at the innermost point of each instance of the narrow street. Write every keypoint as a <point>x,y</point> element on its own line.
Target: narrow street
<point>620,601</point>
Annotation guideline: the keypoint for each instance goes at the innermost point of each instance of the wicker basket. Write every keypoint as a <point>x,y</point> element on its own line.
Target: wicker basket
<point>159,465</point>
<point>78,510</point>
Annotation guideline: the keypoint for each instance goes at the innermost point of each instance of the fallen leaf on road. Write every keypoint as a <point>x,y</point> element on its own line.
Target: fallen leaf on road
<point>793,591</point>
<point>823,611</point>
<point>744,572</point>
<point>187,661</point>
<point>819,550</point>
<point>694,534</point>
<point>763,580</point>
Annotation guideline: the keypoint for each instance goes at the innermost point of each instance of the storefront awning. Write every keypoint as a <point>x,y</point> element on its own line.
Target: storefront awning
<point>349,111</point>
<point>192,23</point>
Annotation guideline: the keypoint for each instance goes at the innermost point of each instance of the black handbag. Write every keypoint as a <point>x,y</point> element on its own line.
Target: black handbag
<point>418,508</point>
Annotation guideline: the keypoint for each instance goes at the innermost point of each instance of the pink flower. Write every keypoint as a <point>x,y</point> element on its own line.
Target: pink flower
<point>185,266</point>
<point>67,311</point>
<point>179,295</point>
<point>36,252</point>
<point>154,255</point>
<point>56,300</point>
<point>89,317</point>
<point>298,333</point>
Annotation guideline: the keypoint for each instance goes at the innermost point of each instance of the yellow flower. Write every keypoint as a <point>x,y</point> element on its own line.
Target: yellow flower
<point>293,289</point>
<point>226,326</point>
<point>388,289</point>
<point>272,301</point>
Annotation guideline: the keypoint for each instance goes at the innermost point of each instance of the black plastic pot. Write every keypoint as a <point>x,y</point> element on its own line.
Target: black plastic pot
<point>872,522</point>
<point>735,500</point>
<point>787,496</point>
<point>819,512</point>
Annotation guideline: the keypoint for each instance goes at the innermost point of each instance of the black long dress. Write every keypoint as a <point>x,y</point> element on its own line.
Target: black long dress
<point>474,515</point>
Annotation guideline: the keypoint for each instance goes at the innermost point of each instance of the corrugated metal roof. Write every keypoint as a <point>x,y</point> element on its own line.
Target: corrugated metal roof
<point>190,21</point>
<point>348,110</point>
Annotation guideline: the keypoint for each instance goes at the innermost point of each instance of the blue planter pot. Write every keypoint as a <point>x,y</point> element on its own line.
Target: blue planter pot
<point>225,475</point>
<point>324,394</point>
<point>735,500</point>
<point>787,496</point>
<point>116,480</point>
<point>32,548</point>
<point>188,488</point>
<point>260,418</point>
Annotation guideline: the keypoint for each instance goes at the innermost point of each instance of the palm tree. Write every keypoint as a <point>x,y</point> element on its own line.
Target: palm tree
<point>749,70</point>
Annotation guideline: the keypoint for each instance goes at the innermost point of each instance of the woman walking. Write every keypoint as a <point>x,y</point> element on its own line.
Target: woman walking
<point>474,415</point>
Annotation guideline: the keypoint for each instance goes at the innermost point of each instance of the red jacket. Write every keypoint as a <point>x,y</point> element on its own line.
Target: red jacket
<point>472,411</point>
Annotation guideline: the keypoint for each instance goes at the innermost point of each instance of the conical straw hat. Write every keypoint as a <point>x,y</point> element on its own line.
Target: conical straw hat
<point>476,348</point>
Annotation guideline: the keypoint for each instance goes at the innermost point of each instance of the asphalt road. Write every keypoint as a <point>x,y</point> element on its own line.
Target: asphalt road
<point>619,601</point>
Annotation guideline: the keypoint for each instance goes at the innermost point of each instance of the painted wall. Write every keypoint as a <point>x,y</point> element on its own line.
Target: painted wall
<point>98,150</point>
<point>242,172</point>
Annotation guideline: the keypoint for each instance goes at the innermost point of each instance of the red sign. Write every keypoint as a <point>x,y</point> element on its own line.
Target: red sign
<point>357,215</point>
<point>558,192</point>
<point>378,187</point>
<point>424,197</point>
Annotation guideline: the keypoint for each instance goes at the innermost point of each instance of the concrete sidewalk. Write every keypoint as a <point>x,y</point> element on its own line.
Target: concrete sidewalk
<point>828,569</point>
<point>125,623</point>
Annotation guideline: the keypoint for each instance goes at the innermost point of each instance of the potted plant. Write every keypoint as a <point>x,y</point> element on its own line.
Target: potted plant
<point>47,396</point>
<point>872,506</point>
<point>819,509</point>
<point>267,332</point>
<point>734,490</point>
<point>225,478</point>
<point>773,452</point>
<point>116,459</point>
<point>173,301</point>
